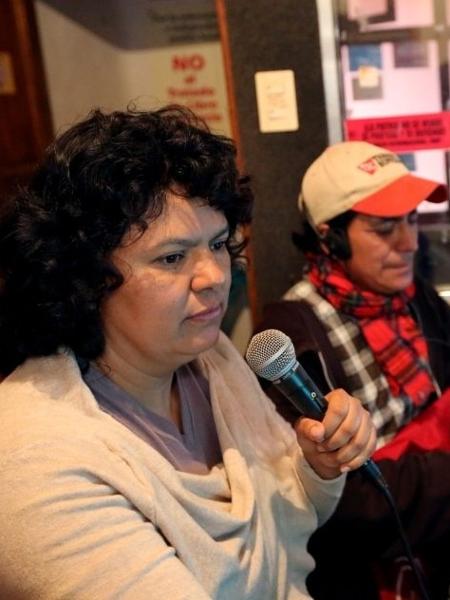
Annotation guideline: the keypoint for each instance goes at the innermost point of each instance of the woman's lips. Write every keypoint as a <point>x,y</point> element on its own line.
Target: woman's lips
<point>207,314</point>
<point>402,267</point>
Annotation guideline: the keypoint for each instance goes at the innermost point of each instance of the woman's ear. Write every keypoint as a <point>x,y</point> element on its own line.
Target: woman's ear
<point>322,231</point>
<point>334,242</point>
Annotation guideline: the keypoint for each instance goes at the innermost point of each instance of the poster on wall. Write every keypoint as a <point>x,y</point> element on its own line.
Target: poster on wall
<point>371,11</point>
<point>186,62</point>
<point>375,77</point>
<point>373,15</point>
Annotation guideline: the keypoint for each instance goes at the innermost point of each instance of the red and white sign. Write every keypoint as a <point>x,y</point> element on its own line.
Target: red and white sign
<point>405,133</point>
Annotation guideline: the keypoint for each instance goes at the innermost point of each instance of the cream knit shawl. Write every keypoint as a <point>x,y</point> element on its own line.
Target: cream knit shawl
<point>89,511</point>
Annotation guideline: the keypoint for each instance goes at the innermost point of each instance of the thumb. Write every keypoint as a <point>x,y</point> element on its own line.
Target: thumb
<point>311,429</point>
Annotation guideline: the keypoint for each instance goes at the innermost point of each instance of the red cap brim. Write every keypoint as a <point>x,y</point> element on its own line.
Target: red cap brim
<point>401,197</point>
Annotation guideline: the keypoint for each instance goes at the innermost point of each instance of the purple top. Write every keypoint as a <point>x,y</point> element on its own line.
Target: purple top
<point>194,450</point>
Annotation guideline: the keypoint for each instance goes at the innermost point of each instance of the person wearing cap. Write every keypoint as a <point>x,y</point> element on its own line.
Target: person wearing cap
<point>362,320</point>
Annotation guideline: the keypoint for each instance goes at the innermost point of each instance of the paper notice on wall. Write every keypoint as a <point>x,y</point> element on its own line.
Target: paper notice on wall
<point>276,101</point>
<point>358,9</point>
<point>193,76</point>
<point>368,76</point>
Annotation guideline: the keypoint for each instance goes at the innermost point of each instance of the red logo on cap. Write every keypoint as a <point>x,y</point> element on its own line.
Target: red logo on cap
<point>379,160</point>
<point>369,166</point>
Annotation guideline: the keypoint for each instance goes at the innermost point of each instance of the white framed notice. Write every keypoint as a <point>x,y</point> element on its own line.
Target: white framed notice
<point>276,100</point>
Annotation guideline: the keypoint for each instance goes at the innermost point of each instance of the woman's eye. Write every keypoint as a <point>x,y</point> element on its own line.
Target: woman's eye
<point>384,226</point>
<point>171,259</point>
<point>219,245</point>
<point>385,229</point>
<point>388,226</point>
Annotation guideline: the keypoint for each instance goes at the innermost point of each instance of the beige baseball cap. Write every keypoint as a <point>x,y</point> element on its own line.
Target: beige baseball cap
<point>365,178</point>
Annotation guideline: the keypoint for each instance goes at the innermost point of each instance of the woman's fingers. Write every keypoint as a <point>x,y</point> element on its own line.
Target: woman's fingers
<point>343,441</point>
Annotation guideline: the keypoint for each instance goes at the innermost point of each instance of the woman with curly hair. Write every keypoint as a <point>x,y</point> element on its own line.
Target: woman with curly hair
<point>139,457</point>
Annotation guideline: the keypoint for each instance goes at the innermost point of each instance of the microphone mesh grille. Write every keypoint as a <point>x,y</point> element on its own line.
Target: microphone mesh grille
<point>271,354</point>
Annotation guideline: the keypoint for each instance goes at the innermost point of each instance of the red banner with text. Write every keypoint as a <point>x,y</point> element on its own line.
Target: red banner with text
<point>405,133</point>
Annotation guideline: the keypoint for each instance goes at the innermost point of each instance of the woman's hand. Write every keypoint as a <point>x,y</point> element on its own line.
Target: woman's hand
<point>343,441</point>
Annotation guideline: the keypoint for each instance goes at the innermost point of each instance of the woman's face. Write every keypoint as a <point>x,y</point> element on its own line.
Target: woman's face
<point>177,280</point>
<point>382,252</point>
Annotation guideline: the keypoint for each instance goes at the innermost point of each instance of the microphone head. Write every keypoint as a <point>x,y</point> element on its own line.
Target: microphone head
<point>271,354</point>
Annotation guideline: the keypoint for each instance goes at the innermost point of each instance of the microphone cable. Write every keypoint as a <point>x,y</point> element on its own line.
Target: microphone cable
<point>381,484</point>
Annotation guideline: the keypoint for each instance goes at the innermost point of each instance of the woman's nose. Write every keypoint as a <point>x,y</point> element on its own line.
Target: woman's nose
<point>407,237</point>
<point>210,272</point>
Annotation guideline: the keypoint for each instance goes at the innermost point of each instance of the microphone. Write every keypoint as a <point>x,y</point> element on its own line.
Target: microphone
<point>271,355</point>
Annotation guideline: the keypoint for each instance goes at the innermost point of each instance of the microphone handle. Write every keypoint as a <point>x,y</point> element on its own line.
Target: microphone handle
<point>299,388</point>
<point>304,394</point>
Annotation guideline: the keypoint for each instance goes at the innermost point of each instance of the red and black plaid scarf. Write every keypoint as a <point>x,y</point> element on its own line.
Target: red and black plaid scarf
<point>386,323</point>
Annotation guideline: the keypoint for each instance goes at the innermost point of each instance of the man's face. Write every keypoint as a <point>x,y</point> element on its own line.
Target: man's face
<point>382,252</point>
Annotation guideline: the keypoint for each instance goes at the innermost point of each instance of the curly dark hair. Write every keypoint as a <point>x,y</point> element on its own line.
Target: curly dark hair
<point>101,177</point>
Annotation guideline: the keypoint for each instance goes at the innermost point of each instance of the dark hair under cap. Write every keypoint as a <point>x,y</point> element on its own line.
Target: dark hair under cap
<point>308,240</point>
